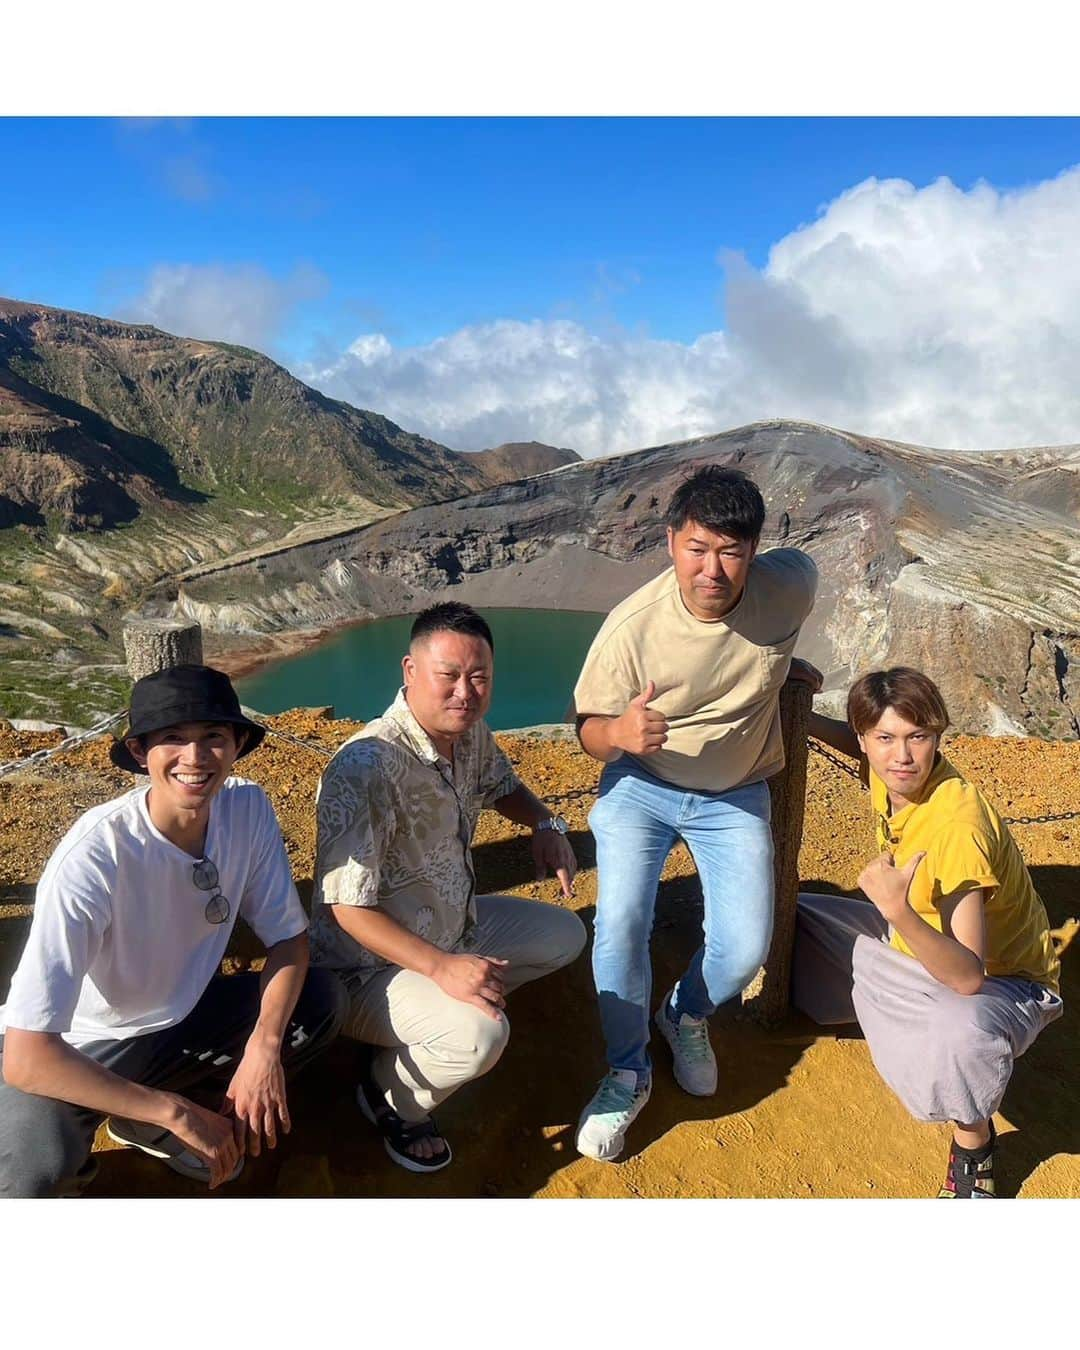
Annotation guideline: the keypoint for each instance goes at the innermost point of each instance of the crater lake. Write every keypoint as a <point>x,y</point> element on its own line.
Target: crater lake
<point>538,654</point>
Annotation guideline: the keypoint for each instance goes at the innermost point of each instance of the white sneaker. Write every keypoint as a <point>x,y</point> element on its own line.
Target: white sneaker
<point>613,1108</point>
<point>694,1061</point>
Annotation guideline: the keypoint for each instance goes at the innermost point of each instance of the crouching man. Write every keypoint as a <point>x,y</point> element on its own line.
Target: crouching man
<point>427,962</point>
<point>117,1007</point>
<point>951,971</point>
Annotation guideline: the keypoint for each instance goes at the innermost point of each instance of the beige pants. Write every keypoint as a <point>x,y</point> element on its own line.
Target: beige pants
<point>434,1043</point>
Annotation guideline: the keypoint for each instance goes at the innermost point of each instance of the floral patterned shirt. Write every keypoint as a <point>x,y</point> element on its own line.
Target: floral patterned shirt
<point>395,822</point>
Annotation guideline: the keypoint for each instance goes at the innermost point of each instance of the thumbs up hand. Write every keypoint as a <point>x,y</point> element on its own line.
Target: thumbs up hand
<point>641,730</point>
<point>887,885</point>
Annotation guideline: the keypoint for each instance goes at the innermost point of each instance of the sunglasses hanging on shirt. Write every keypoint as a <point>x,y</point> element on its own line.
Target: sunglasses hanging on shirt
<point>205,876</point>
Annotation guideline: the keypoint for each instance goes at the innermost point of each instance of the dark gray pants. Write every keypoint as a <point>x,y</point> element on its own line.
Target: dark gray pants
<point>45,1144</point>
<point>947,1056</point>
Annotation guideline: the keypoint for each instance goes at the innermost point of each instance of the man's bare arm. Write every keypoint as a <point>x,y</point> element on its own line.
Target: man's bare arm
<point>954,956</point>
<point>41,1062</point>
<point>835,733</point>
<point>522,807</point>
<point>471,979</point>
<point>549,848</point>
<point>256,1094</point>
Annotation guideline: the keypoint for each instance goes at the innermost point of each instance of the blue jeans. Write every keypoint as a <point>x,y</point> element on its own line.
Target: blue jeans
<point>636,822</point>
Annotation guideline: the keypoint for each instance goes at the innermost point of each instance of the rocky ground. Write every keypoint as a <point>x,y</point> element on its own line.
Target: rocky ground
<point>799,1112</point>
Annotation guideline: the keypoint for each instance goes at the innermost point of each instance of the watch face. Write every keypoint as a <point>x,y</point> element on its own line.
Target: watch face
<point>558,823</point>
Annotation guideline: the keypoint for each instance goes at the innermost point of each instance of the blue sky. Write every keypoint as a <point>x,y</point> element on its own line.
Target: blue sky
<point>303,235</point>
<point>430,224</point>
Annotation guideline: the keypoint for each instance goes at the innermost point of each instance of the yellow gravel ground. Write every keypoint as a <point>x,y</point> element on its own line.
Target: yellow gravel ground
<point>799,1112</point>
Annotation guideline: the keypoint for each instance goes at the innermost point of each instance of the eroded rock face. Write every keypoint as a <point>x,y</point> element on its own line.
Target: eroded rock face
<point>100,421</point>
<point>955,562</point>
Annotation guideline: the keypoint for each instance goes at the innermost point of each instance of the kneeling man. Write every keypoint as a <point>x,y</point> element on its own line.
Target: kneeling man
<point>951,971</point>
<point>426,961</point>
<point>117,1007</point>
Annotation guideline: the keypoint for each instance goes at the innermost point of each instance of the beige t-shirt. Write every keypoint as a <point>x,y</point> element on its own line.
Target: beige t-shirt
<point>717,682</point>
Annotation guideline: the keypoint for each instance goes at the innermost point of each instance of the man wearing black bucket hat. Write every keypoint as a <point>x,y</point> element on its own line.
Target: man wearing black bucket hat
<point>117,1008</point>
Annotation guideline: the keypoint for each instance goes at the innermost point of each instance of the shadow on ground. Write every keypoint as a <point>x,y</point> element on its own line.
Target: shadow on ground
<point>513,1130</point>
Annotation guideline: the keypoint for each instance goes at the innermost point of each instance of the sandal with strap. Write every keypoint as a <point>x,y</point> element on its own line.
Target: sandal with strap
<point>968,1177</point>
<point>398,1134</point>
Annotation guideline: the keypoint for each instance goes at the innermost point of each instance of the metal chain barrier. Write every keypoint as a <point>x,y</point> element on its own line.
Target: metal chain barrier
<point>81,738</point>
<point>285,736</point>
<point>575,794</point>
<point>1047,819</point>
<point>825,753</point>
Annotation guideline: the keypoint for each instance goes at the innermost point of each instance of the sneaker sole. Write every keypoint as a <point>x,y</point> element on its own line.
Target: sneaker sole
<point>660,1018</point>
<point>198,1172</point>
<point>403,1159</point>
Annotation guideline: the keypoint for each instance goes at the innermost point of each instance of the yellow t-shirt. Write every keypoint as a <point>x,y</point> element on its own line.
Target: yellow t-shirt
<point>967,846</point>
<point>717,682</point>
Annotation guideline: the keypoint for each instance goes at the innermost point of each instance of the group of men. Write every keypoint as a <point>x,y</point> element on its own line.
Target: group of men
<point>118,1012</point>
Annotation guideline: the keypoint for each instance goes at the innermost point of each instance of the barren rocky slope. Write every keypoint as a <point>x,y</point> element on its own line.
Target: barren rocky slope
<point>128,455</point>
<point>800,1110</point>
<point>128,404</point>
<point>964,563</point>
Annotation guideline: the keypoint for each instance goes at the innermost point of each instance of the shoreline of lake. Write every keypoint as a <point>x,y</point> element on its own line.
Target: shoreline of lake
<point>356,667</point>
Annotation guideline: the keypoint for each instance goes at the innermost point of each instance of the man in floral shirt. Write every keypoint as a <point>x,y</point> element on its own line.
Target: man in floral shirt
<point>427,962</point>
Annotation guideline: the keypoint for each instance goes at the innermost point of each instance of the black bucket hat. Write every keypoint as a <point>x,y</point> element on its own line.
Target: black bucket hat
<point>181,694</point>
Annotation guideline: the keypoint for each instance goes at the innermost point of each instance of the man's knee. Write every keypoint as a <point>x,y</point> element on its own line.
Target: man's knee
<point>567,937</point>
<point>966,1023</point>
<point>621,929</point>
<point>43,1153</point>
<point>321,1010</point>
<point>480,1041</point>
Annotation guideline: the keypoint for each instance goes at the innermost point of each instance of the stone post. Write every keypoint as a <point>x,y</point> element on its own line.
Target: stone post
<point>766,997</point>
<point>151,645</point>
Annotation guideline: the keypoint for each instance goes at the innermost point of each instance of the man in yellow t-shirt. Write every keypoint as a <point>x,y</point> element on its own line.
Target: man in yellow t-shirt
<point>679,698</point>
<point>950,971</point>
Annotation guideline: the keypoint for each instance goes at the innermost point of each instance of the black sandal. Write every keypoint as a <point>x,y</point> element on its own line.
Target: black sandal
<point>398,1134</point>
<point>970,1177</point>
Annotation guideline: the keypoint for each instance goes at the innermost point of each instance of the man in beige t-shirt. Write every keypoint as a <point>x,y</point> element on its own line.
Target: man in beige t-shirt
<point>679,698</point>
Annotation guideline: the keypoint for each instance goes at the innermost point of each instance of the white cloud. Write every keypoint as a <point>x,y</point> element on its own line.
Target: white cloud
<point>240,303</point>
<point>934,315</point>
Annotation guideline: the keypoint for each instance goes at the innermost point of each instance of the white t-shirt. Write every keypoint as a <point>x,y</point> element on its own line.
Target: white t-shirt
<point>120,945</point>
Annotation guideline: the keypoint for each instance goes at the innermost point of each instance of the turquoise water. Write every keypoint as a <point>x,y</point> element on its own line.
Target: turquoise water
<point>538,654</point>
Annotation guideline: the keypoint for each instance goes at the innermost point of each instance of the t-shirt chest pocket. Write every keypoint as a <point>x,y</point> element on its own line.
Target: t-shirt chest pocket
<point>774,665</point>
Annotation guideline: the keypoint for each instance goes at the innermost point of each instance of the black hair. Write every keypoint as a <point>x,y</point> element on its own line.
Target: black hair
<point>239,735</point>
<point>451,617</point>
<point>722,500</point>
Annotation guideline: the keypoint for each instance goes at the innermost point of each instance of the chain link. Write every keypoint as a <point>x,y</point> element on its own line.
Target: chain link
<point>285,736</point>
<point>819,749</point>
<point>1048,819</point>
<point>81,738</point>
<point>1041,820</point>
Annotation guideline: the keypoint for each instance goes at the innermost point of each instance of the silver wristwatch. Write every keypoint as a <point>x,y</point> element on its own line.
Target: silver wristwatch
<point>556,823</point>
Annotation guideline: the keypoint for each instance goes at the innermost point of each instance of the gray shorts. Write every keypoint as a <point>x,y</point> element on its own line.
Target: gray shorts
<point>947,1056</point>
